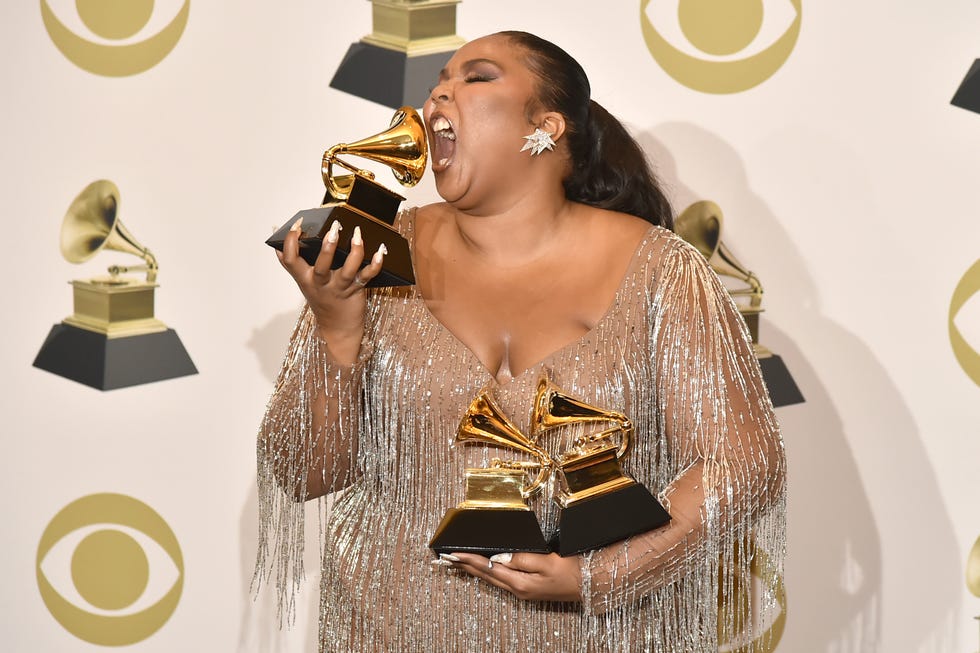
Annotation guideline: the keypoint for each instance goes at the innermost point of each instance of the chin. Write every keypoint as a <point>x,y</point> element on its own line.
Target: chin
<point>448,190</point>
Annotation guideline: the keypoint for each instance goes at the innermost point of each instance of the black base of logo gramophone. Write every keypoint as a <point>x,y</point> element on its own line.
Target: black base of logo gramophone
<point>600,503</point>
<point>357,200</point>
<point>495,516</point>
<point>112,340</point>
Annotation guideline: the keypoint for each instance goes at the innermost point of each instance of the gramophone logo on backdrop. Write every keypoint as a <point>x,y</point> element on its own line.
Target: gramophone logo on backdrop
<point>109,569</point>
<point>115,38</point>
<point>721,46</point>
<point>964,313</point>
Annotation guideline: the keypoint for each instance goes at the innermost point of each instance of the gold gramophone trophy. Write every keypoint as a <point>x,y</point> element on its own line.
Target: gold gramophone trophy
<point>700,225</point>
<point>495,516</point>
<point>600,503</point>
<point>112,340</point>
<point>357,200</point>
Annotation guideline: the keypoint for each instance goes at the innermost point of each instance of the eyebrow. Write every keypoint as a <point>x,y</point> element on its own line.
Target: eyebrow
<point>468,65</point>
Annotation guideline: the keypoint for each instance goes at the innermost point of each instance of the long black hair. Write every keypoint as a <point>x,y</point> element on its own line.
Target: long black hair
<point>609,168</point>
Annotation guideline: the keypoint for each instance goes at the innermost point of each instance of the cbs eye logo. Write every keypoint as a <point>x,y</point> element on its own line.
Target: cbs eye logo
<point>721,46</point>
<point>122,37</point>
<point>966,355</point>
<point>109,569</point>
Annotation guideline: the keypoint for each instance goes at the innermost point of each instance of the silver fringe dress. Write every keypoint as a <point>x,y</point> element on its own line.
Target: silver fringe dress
<point>671,353</point>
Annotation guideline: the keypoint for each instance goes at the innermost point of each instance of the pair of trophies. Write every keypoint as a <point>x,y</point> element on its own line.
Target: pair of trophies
<point>599,503</point>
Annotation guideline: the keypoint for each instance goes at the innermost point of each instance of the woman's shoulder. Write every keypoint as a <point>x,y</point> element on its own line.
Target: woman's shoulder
<point>412,219</point>
<point>652,242</point>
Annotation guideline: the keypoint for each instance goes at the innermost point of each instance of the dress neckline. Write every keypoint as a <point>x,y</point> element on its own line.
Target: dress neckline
<point>611,309</point>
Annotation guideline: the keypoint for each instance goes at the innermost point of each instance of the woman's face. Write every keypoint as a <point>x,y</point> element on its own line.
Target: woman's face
<point>476,118</point>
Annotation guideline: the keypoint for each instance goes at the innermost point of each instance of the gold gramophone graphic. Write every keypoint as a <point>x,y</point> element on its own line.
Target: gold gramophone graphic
<point>600,503</point>
<point>973,573</point>
<point>357,200</point>
<point>112,340</point>
<point>495,516</point>
<point>410,42</point>
<point>701,225</point>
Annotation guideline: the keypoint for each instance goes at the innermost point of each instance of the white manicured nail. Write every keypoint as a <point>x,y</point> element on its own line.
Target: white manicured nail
<point>379,256</point>
<point>334,232</point>
<point>297,226</point>
<point>449,557</point>
<point>441,563</point>
<point>502,558</point>
<point>356,238</point>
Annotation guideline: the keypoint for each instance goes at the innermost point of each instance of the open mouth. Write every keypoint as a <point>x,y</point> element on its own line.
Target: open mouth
<point>443,144</point>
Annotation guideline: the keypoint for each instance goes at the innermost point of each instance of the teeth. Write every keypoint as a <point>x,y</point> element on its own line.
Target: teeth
<point>440,124</point>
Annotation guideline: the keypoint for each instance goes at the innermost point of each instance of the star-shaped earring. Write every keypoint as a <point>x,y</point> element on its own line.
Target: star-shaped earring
<point>538,142</point>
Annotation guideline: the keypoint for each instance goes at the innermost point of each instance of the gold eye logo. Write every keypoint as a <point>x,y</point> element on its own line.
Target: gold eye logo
<point>115,24</point>
<point>721,46</point>
<point>109,569</point>
<point>966,354</point>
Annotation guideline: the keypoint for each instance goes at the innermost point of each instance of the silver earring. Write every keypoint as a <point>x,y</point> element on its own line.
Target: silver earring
<point>538,142</point>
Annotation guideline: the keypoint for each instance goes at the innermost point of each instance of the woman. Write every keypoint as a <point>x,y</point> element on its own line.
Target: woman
<point>550,257</point>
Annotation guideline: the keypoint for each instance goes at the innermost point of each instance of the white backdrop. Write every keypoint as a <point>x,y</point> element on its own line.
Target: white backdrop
<point>849,186</point>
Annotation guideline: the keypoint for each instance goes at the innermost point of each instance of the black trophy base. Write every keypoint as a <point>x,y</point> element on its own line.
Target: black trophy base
<point>488,532</point>
<point>104,363</point>
<point>782,388</point>
<point>607,518</point>
<point>387,77</point>
<point>968,94</point>
<point>397,266</point>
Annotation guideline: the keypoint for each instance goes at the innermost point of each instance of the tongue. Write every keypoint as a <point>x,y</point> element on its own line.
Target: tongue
<point>442,148</point>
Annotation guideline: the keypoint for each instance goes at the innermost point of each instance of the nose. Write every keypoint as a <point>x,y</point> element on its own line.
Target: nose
<point>439,92</point>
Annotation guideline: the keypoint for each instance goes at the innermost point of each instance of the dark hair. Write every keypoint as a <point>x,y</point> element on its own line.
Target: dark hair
<point>609,169</point>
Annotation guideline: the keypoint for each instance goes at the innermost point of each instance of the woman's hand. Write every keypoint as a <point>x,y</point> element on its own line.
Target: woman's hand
<point>528,576</point>
<point>334,296</point>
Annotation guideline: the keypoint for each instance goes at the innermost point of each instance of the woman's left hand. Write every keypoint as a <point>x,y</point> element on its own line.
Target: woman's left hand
<point>529,576</point>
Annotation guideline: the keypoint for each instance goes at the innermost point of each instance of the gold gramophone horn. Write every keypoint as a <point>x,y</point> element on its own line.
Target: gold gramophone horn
<point>402,147</point>
<point>973,569</point>
<point>92,224</point>
<point>485,422</point>
<point>700,224</point>
<point>553,408</point>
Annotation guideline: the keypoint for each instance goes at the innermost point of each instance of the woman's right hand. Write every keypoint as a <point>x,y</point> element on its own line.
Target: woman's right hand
<point>336,297</point>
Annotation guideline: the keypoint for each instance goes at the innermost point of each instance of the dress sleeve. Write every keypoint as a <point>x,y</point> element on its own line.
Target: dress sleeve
<point>727,493</point>
<point>297,459</point>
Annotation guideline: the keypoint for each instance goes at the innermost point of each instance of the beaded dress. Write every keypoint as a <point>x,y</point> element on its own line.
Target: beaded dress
<point>671,353</point>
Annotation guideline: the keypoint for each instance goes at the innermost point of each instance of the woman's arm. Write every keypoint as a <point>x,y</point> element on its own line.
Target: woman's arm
<point>309,433</point>
<point>716,414</point>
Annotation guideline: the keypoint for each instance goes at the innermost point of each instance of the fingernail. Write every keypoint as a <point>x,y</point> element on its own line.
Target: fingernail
<point>356,238</point>
<point>379,255</point>
<point>441,563</point>
<point>448,556</point>
<point>502,558</point>
<point>334,232</point>
<point>297,226</point>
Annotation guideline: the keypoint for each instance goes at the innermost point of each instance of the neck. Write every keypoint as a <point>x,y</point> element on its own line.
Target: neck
<point>516,232</point>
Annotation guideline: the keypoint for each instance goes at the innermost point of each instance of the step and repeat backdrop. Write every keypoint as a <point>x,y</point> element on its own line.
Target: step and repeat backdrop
<point>149,149</point>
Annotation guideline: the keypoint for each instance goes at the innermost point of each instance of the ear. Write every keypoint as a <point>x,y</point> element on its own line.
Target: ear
<point>553,123</point>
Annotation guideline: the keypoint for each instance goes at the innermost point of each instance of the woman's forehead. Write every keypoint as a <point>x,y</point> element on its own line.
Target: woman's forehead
<point>493,47</point>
